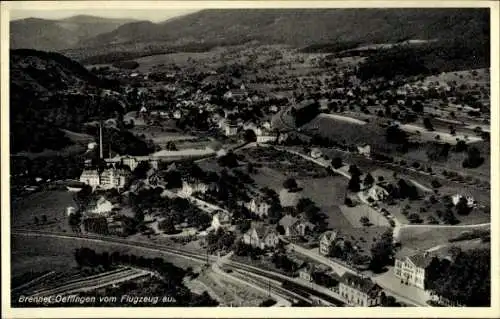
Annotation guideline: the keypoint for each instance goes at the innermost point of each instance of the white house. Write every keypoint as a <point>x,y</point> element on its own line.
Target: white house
<point>221,219</point>
<point>262,236</point>
<point>376,193</point>
<point>230,130</point>
<point>327,240</point>
<point>411,267</point>
<point>90,177</point>
<point>189,188</point>
<point>100,206</point>
<point>258,207</point>
<point>471,202</point>
<point>316,153</point>
<point>364,150</point>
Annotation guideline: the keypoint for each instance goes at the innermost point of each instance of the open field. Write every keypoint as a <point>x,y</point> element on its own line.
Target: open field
<point>328,193</point>
<point>47,253</point>
<point>425,237</point>
<point>183,59</point>
<point>350,133</point>
<point>81,138</point>
<point>463,245</point>
<point>455,160</point>
<point>52,204</point>
<point>438,135</point>
<point>342,118</point>
<point>71,150</point>
<point>161,136</point>
<point>354,214</point>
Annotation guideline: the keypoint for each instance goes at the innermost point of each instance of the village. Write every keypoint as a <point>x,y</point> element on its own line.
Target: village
<point>359,190</point>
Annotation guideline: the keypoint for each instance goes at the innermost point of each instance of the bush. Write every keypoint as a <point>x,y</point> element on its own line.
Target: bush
<point>435,183</point>
<point>267,303</point>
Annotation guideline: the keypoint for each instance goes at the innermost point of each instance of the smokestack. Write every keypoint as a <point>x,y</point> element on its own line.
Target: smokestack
<point>100,140</point>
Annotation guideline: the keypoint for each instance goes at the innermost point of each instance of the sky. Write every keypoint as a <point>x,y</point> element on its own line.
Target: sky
<point>138,14</point>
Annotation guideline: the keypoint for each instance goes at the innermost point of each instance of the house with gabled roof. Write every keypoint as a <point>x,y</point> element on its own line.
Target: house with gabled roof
<point>359,291</point>
<point>327,240</point>
<point>261,235</point>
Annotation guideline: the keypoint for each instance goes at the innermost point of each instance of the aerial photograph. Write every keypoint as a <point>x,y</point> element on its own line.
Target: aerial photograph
<point>335,157</point>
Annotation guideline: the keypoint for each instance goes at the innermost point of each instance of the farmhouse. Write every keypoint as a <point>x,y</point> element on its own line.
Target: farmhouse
<point>359,291</point>
<point>294,226</point>
<point>411,267</point>
<point>262,236</point>
<point>258,206</point>
<point>364,150</point>
<point>221,219</point>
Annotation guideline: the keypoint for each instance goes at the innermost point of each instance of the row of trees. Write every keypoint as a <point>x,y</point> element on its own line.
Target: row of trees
<point>464,281</point>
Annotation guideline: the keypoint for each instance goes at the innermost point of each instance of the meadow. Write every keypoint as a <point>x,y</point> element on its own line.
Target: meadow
<point>52,204</point>
<point>426,237</point>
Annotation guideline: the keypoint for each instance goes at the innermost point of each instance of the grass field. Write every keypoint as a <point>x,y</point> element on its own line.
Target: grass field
<point>424,238</point>
<point>354,214</point>
<point>47,253</point>
<point>159,136</point>
<point>53,204</point>
<point>348,132</point>
<point>183,59</point>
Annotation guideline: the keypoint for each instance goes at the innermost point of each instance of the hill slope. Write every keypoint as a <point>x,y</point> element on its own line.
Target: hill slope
<point>54,35</point>
<point>40,103</point>
<point>301,27</point>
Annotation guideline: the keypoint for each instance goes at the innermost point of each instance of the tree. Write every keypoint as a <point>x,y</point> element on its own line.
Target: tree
<point>435,183</point>
<point>465,281</point>
<point>44,219</point>
<point>473,159</point>
<point>249,136</point>
<point>167,225</point>
<point>354,183</point>
<point>354,170</point>
<point>336,162</point>
<point>428,125</point>
<point>364,220</point>
<point>36,220</point>
<point>368,181</point>
<point>461,146</point>
<point>170,146</point>
<point>462,207</point>
<point>382,252</point>
<point>414,218</point>
<point>290,184</point>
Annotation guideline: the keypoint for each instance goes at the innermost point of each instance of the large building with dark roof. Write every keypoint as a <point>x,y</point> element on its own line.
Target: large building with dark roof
<point>359,291</point>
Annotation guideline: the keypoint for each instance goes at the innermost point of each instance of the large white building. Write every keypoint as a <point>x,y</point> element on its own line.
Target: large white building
<point>90,177</point>
<point>411,267</point>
